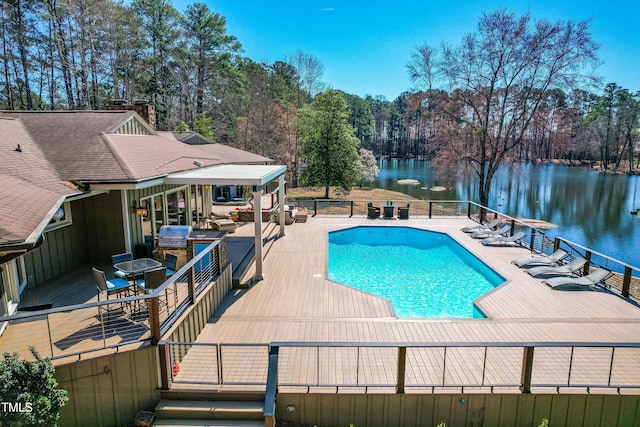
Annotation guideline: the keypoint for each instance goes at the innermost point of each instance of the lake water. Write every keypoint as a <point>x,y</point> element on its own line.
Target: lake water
<point>589,208</point>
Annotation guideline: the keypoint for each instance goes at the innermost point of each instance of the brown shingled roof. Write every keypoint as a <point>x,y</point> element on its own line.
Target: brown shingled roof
<point>148,156</point>
<point>30,189</point>
<point>81,148</point>
<point>71,141</point>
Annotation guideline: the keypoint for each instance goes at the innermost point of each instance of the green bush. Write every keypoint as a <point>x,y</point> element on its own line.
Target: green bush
<point>30,394</point>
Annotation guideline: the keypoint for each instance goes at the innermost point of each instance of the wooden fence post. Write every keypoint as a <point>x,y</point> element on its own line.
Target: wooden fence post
<point>527,369</point>
<point>626,282</point>
<point>154,319</point>
<point>165,365</point>
<point>402,366</point>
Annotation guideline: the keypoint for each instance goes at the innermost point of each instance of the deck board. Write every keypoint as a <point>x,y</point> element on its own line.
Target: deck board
<point>295,302</point>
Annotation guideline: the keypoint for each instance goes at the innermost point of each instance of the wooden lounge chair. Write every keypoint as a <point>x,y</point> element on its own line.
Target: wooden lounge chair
<point>491,233</point>
<point>503,240</point>
<point>490,226</point>
<point>587,281</point>
<point>530,261</point>
<point>561,270</point>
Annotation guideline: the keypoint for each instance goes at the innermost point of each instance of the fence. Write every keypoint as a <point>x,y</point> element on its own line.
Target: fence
<point>425,367</point>
<point>75,330</point>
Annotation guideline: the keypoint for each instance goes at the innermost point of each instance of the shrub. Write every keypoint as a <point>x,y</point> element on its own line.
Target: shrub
<point>30,394</point>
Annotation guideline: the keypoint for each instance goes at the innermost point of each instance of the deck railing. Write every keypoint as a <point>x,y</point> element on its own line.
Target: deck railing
<point>624,280</point>
<point>75,330</point>
<point>428,367</point>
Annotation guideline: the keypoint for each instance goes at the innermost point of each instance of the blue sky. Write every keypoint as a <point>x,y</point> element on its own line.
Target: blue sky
<point>365,45</point>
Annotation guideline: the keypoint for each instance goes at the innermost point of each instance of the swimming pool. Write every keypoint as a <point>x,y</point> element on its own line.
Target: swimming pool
<point>423,273</point>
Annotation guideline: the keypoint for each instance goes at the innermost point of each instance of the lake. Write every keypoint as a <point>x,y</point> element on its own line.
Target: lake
<point>589,208</point>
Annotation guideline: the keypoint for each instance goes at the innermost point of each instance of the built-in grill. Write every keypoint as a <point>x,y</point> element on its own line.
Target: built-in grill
<point>174,236</point>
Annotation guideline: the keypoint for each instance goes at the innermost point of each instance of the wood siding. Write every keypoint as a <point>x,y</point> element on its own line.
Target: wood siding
<point>468,410</point>
<point>97,232</point>
<point>110,390</point>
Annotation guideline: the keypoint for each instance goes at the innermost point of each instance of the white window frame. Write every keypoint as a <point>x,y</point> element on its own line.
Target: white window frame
<point>64,222</point>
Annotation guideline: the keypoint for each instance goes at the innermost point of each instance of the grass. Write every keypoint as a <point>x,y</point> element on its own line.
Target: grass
<point>356,193</point>
<point>360,196</point>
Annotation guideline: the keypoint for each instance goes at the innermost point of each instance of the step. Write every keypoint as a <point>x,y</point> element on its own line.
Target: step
<point>190,394</point>
<point>210,410</point>
<point>207,423</point>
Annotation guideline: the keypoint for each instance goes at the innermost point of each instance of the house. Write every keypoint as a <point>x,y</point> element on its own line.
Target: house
<point>79,186</point>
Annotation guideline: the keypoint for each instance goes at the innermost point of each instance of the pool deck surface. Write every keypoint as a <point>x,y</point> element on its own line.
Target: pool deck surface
<point>296,302</point>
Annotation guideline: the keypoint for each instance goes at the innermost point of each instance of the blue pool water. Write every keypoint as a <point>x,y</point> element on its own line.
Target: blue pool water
<point>422,273</point>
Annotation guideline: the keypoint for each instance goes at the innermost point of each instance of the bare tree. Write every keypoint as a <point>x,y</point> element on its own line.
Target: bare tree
<point>498,77</point>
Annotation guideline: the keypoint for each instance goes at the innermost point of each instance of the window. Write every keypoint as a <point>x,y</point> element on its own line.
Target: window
<point>61,218</point>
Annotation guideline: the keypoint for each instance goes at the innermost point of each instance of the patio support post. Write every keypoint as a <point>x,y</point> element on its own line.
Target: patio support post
<point>281,198</point>
<point>257,219</point>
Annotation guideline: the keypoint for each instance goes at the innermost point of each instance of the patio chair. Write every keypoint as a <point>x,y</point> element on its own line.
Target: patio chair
<point>490,226</point>
<point>373,211</point>
<point>587,281</point>
<point>403,213</point>
<point>171,264</point>
<point>126,256</point>
<point>116,286</point>
<point>503,240</point>
<point>561,270</point>
<point>551,260</point>
<point>152,279</point>
<point>490,233</point>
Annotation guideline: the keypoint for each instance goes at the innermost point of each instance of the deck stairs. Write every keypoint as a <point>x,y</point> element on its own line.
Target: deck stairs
<point>210,409</point>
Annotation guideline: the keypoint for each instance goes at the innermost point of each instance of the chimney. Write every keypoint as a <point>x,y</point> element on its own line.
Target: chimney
<point>140,106</point>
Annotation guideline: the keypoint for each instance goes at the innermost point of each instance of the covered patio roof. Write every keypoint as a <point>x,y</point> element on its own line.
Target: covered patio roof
<point>259,175</point>
<point>232,174</point>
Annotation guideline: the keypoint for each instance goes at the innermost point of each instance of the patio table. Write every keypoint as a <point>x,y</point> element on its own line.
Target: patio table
<point>137,266</point>
<point>388,210</point>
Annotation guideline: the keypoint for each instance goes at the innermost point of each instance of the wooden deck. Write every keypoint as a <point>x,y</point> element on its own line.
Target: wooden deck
<point>295,302</point>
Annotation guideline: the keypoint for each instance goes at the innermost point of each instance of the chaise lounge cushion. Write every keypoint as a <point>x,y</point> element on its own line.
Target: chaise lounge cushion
<point>225,225</point>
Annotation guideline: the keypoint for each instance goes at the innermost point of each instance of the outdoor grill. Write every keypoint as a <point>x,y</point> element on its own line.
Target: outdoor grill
<point>174,236</point>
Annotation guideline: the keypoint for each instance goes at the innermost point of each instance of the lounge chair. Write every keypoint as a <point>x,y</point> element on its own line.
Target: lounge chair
<point>490,233</point>
<point>490,226</point>
<point>551,260</point>
<point>502,240</point>
<point>560,270</point>
<point>587,281</point>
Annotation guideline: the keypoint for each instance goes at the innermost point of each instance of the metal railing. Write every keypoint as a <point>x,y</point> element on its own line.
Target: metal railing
<point>426,367</point>
<point>75,330</point>
<point>624,280</point>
